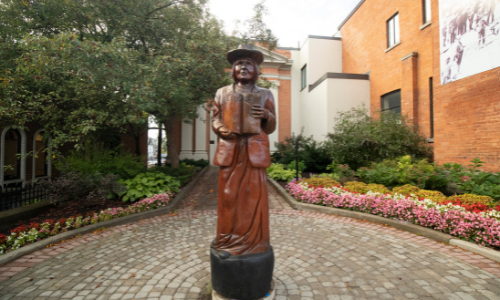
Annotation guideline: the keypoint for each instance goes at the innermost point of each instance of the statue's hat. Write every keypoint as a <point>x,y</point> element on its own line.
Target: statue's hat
<point>245,51</point>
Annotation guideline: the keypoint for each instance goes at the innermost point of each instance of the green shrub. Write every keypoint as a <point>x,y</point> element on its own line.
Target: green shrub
<point>200,163</point>
<point>183,173</point>
<point>472,199</point>
<point>313,153</point>
<point>278,172</point>
<point>324,182</point>
<point>401,171</point>
<point>103,161</point>
<point>358,139</point>
<point>435,196</point>
<point>148,184</point>
<point>406,189</point>
<point>342,173</point>
<point>377,188</point>
<point>293,165</point>
<point>356,186</point>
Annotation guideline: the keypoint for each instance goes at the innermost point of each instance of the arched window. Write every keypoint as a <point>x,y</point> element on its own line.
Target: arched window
<point>12,157</point>
<point>42,159</point>
<point>12,154</point>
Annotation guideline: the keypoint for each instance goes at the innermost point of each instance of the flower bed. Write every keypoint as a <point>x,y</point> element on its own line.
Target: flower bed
<point>482,228</point>
<point>23,235</point>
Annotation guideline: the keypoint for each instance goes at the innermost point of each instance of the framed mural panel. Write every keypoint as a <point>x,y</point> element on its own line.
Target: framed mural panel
<point>469,37</point>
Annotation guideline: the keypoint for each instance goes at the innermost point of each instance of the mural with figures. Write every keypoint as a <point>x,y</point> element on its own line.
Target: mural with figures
<point>469,37</point>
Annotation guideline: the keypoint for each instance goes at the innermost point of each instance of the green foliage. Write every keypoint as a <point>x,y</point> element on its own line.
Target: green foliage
<point>342,173</point>
<point>278,172</point>
<point>377,188</point>
<point>148,184</point>
<point>293,166</point>
<point>406,189</point>
<point>325,182</point>
<point>359,140</point>
<point>312,153</point>
<point>183,173</point>
<point>103,161</point>
<point>473,181</point>
<point>356,186</point>
<point>401,171</point>
<point>470,199</point>
<point>435,196</point>
<point>200,163</point>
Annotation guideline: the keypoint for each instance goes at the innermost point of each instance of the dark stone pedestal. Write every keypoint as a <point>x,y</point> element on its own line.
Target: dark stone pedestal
<point>242,277</point>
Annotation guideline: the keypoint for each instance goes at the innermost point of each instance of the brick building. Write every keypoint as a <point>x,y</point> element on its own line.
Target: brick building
<point>408,47</point>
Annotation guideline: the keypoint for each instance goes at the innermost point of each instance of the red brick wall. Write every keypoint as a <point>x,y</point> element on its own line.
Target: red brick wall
<point>466,112</point>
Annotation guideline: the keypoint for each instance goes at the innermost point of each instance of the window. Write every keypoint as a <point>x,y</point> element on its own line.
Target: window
<point>431,98</point>
<point>393,31</point>
<point>392,101</point>
<point>12,152</point>
<point>303,77</point>
<point>426,6</point>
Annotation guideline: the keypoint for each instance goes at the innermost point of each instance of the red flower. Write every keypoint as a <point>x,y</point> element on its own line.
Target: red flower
<point>3,238</point>
<point>62,221</point>
<point>34,225</point>
<point>18,230</point>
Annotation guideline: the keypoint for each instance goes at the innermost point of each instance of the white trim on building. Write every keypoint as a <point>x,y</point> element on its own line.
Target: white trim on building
<point>22,175</point>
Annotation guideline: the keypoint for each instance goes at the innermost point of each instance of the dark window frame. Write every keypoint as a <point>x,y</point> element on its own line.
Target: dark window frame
<point>303,77</point>
<point>388,94</point>
<point>18,151</point>
<point>46,162</point>
<point>425,4</point>
<point>397,39</point>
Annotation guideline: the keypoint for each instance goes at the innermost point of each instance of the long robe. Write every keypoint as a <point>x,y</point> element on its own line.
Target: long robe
<point>243,207</point>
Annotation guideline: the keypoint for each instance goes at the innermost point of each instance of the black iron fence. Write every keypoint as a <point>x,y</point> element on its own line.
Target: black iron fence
<point>14,195</point>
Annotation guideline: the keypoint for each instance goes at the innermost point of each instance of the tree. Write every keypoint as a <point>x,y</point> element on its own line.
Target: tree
<point>86,65</point>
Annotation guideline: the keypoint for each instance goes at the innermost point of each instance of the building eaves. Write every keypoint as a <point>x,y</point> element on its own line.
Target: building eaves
<point>352,13</point>
<point>338,76</point>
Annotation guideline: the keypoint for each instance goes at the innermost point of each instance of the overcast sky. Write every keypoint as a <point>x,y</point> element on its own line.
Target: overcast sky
<point>290,20</point>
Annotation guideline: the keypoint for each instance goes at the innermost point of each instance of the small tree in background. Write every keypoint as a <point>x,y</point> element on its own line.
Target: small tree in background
<point>358,139</point>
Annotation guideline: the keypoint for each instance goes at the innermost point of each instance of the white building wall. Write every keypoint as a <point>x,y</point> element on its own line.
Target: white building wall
<point>200,150</point>
<point>324,55</point>
<point>295,92</point>
<point>344,94</point>
<point>313,111</point>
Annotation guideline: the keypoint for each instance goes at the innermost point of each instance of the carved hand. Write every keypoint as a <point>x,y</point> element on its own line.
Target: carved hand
<point>259,112</point>
<point>226,134</point>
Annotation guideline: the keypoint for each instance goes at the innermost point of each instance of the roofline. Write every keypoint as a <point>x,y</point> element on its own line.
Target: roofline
<point>288,48</point>
<point>352,13</point>
<point>319,37</point>
<point>330,75</point>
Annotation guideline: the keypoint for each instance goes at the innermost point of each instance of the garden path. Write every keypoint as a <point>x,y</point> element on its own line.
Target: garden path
<point>318,257</point>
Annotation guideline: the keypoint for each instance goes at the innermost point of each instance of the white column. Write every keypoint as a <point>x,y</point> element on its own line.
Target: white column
<point>199,149</point>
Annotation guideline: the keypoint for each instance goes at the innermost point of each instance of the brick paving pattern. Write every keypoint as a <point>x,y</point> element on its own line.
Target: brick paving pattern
<point>318,256</point>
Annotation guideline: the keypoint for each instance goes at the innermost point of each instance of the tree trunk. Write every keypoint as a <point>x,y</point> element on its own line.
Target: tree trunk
<point>137,139</point>
<point>171,146</point>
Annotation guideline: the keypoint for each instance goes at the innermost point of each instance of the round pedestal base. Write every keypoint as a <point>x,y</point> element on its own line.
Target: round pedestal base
<point>271,295</point>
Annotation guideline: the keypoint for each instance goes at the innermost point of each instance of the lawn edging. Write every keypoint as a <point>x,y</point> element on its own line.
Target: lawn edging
<point>429,233</point>
<point>13,255</point>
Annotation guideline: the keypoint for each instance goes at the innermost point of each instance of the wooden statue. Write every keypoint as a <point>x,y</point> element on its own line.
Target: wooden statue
<point>243,117</point>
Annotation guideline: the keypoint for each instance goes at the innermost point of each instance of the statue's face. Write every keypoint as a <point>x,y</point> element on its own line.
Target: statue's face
<point>244,70</point>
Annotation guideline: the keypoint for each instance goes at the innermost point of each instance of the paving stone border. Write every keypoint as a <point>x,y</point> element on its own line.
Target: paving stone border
<point>13,255</point>
<point>406,226</point>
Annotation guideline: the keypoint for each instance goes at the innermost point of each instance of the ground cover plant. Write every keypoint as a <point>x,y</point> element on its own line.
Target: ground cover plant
<point>474,223</point>
<point>28,234</point>
<point>148,184</point>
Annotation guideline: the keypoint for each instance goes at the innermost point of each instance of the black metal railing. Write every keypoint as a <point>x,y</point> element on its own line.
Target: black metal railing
<point>14,195</point>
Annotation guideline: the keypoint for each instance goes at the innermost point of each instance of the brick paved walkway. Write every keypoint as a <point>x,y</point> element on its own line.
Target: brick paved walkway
<point>318,256</point>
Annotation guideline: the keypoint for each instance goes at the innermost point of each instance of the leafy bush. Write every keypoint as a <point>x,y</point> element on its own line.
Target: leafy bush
<point>377,188</point>
<point>473,199</point>
<point>473,181</point>
<point>149,184</point>
<point>103,161</point>
<point>342,173</point>
<point>401,171</point>
<point>435,196</point>
<point>278,172</point>
<point>183,173</point>
<point>293,166</point>
<point>323,182</point>
<point>406,189</point>
<point>200,163</point>
<point>313,153</point>
<point>356,186</point>
<point>358,139</point>
<point>74,185</point>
